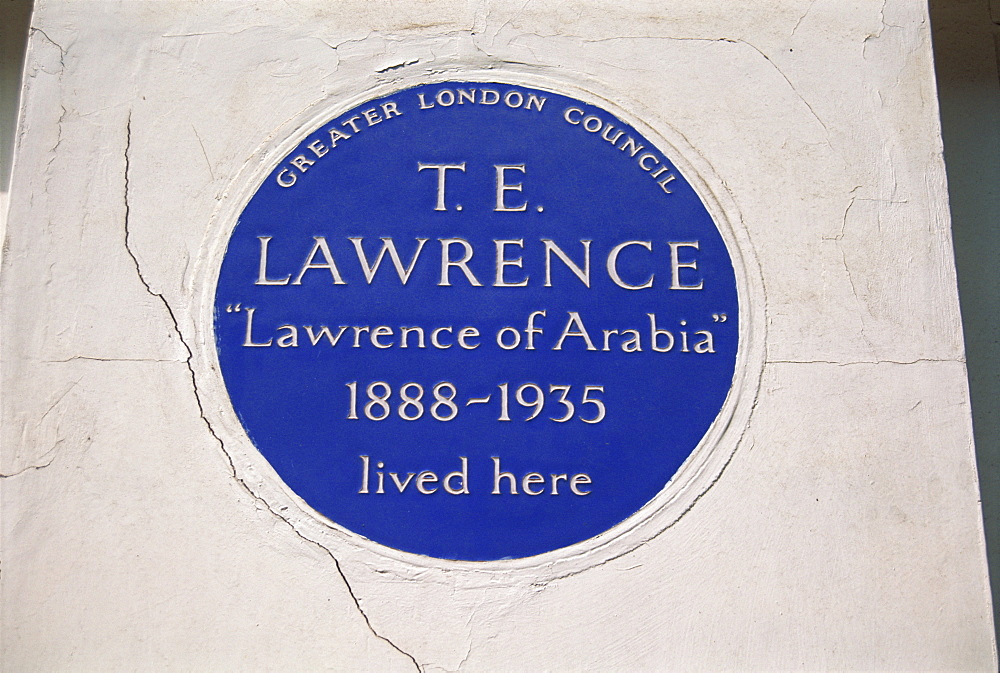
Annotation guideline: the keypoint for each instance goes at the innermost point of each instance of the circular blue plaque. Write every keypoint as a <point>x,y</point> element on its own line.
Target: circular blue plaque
<point>476,321</point>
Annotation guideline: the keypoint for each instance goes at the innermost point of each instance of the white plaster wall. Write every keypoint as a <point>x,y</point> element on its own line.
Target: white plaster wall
<point>845,532</point>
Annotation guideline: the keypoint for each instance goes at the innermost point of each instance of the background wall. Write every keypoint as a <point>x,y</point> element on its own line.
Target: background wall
<point>14,19</point>
<point>966,37</point>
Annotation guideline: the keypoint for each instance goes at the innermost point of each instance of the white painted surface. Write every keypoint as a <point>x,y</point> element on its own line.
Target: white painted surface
<point>845,533</point>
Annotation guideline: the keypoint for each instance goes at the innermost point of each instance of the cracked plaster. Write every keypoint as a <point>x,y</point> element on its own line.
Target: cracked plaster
<point>820,124</point>
<point>197,395</point>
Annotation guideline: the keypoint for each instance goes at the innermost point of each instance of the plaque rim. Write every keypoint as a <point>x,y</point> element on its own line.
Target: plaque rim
<point>697,474</point>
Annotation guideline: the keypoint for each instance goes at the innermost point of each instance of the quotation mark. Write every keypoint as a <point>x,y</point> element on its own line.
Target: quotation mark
<point>234,309</point>
<point>718,317</point>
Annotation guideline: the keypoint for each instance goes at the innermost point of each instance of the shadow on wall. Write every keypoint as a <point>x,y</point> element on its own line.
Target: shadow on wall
<point>966,37</point>
<point>14,18</point>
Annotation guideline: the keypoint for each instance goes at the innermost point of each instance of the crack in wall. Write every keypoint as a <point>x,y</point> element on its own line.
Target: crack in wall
<point>837,239</point>
<point>803,17</point>
<point>862,306</point>
<point>62,52</point>
<point>27,469</point>
<point>204,153</point>
<point>95,358</point>
<point>52,449</point>
<point>397,66</point>
<point>791,86</point>
<point>201,409</point>
<point>54,150</point>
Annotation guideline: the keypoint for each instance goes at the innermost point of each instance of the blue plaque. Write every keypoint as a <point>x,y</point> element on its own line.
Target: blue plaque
<point>476,321</point>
